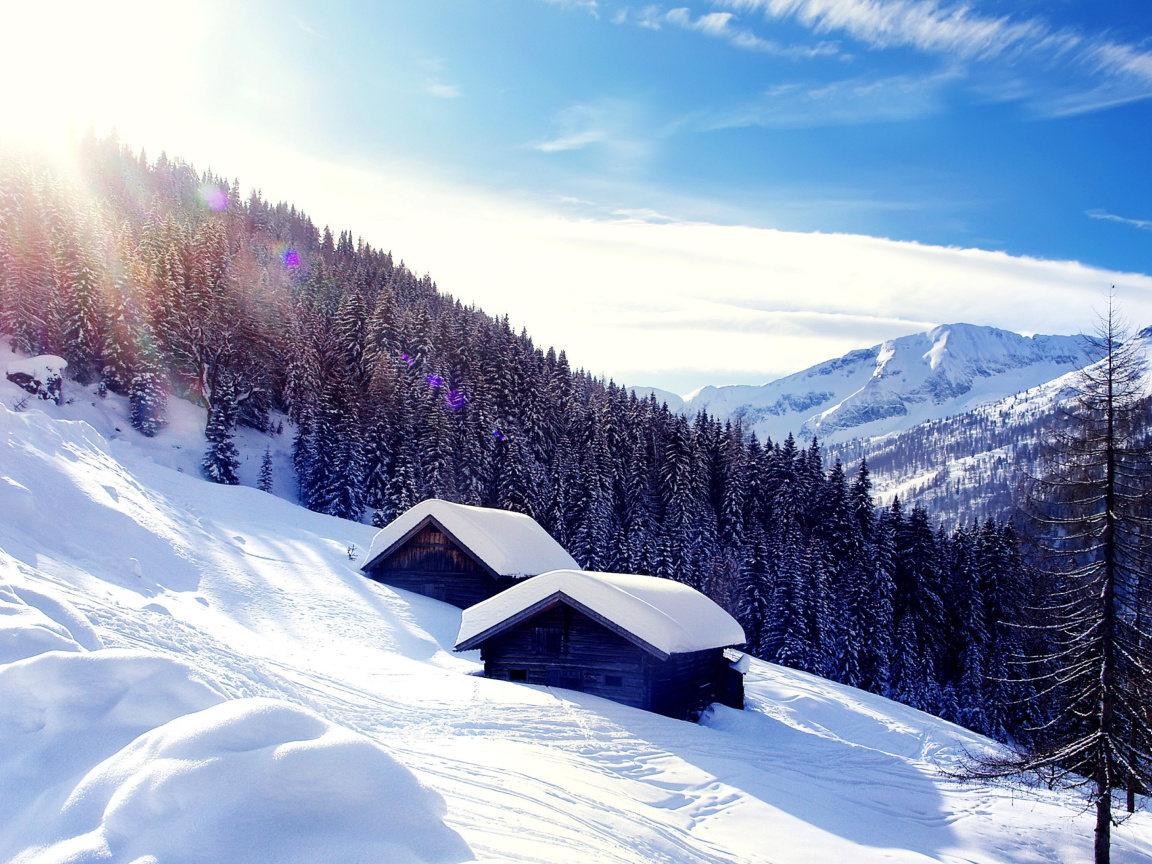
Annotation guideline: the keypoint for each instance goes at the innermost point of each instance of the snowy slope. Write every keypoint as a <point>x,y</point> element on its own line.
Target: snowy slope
<point>197,673</point>
<point>893,386</point>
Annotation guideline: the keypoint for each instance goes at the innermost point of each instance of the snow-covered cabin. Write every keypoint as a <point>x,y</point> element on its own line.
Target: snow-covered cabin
<point>644,641</point>
<point>461,554</point>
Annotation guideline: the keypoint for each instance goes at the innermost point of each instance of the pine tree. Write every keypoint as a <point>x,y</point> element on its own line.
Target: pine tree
<point>1090,506</point>
<point>264,481</point>
<point>221,460</point>
<point>147,393</point>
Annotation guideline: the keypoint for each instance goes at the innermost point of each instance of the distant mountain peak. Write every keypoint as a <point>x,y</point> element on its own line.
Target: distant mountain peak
<point>891,386</point>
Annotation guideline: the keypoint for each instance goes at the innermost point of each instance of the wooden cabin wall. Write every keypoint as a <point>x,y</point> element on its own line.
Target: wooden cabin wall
<point>591,659</point>
<point>430,563</point>
<point>686,682</point>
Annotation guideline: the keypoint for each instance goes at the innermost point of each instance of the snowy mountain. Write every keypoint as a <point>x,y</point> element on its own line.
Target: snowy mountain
<point>970,465</point>
<point>199,673</point>
<point>892,386</point>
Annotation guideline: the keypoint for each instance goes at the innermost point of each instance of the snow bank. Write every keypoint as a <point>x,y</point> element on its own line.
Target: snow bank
<point>62,713</point>
<point>252,780</point>
<point>25,631</point>
<point>512,544</point>
<point>667,615</point>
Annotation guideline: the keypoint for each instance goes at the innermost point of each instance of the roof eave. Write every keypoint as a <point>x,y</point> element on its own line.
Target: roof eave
<point>548,602</point>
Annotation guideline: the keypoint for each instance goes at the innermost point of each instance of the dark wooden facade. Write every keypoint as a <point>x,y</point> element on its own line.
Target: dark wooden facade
<point>561,646</point>
<point>431,562</point>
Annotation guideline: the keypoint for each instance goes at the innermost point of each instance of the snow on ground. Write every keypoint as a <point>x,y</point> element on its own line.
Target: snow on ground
<point>198,673</point>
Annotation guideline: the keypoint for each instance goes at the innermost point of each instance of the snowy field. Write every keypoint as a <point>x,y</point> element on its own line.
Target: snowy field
<point>197,673</point>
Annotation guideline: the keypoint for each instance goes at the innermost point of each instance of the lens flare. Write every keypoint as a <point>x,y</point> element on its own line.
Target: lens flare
<point>215,197</point>
<point>291,258</point>
<point>434,381</point>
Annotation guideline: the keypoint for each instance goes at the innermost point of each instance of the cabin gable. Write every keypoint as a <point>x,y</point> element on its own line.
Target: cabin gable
<point>428,560</point>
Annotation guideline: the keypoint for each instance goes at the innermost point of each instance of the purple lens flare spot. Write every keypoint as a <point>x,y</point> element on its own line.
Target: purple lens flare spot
<point>434,381</point>
<point>215,197</point>
<point>291,258</point>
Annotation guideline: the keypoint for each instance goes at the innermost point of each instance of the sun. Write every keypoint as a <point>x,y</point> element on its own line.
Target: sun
<point>68,66</point>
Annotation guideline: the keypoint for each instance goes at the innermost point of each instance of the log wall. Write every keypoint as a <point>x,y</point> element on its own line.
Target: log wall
<point>430,563</point>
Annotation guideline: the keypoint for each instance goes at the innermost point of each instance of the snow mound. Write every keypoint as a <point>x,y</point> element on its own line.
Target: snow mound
<point>31,622</point>
<point>63,713</point>
<point>668,616</point>
<point>252,780</point>
<point>512,544</point>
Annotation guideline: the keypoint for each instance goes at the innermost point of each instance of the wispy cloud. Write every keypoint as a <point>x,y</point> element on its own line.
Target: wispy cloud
<point>610,124</point>
<point>719,25</point>
<point>592,7</point>
<point>842,103</point>
<point>434,84</point>
<point>649,17</point>
<point>1144,224</point>
<point>921,24</point>
<point>1059,70</point>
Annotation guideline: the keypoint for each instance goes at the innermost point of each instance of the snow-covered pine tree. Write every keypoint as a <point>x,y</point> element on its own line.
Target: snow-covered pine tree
<point>264,480</point>
<point>221,460</point>
<point>148,391</point>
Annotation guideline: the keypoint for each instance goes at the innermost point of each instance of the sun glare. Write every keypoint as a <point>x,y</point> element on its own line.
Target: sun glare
<point>75,65</point>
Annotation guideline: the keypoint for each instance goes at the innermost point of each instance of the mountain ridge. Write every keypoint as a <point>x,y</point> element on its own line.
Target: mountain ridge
<point>891,386</point>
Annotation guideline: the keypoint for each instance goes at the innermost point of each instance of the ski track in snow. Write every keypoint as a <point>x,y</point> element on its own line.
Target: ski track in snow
<point>260,599</point>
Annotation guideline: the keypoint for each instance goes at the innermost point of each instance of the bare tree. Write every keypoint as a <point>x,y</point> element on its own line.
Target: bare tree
<point>1090,506</point>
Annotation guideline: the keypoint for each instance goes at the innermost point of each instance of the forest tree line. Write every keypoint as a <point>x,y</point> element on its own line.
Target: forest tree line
<point>153,280</point>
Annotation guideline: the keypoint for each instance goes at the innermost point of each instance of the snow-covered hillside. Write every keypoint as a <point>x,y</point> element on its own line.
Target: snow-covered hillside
<point>198,673</point>
<point>890,387</point>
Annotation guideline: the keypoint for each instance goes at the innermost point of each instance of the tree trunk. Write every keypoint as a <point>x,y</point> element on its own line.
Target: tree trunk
<point>1103,823</point>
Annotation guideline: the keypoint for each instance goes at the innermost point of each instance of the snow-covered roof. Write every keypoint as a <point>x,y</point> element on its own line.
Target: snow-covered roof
<point>663,616</point>
<point>511,544</point>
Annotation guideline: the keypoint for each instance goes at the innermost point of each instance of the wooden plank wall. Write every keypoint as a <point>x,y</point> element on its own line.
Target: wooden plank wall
<point>591,653</point>
<point>429,563</point>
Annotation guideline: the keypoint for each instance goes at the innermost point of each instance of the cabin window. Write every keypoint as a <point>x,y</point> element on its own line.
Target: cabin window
<point>517,674</point>
<point>613,680</point>
<point>548,640</point>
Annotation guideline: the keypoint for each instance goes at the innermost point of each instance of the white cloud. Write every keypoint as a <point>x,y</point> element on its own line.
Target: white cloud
<point>1069,72</point>
<point>1145,224</point>
<point>718,25</point>
<point>592,7</point>
<point>922,24</point>
<point>443,91</point>
<point>650,17</point>
<point>613,125</point>
<point>842,103</point>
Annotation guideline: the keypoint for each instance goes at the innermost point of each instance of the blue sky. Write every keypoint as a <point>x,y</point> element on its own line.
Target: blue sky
<point>678,194</point>
<point>1013,126</point>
